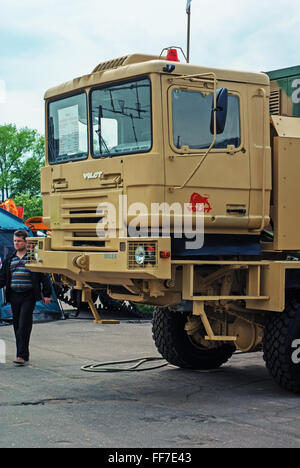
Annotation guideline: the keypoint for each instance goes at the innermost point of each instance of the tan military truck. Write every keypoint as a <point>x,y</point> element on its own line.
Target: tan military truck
<point>171,184</point>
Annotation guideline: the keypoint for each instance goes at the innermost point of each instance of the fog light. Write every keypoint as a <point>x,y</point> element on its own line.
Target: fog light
<point>150,254</point>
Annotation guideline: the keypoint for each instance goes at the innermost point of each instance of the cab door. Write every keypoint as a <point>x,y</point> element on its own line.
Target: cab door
<point>222,182</point>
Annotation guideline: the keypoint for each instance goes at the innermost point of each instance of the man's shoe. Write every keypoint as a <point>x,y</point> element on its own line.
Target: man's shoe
<point>19,361</point>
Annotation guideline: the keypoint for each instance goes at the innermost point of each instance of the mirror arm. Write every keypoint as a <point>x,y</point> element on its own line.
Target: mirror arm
<point>172,189</point>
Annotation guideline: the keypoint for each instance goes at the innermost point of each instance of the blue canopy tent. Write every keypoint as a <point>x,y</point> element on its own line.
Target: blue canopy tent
<point>10,223</point>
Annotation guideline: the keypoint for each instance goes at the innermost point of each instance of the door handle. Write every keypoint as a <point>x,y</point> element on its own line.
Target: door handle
<point>112,181</point>
<point>60,184</point>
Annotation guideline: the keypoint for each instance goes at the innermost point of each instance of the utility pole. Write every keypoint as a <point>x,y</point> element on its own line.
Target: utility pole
<point>188,11</point>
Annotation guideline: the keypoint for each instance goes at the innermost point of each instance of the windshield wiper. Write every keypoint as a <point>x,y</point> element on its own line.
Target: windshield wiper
<point>102,142</point>
<point>133,128</point>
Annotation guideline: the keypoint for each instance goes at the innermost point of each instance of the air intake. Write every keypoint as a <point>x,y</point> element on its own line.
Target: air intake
<point>275,102</point>
<point>126,60</point>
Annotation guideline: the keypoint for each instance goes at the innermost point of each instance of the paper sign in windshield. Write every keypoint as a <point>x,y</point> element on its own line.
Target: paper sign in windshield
<point>68,130</point>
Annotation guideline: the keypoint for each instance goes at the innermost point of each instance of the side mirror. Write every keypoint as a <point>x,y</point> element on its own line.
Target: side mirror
<point>221,111</point>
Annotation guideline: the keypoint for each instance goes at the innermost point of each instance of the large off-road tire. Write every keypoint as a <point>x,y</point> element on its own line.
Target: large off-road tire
<point>177,347</point>
<point>280,343</point>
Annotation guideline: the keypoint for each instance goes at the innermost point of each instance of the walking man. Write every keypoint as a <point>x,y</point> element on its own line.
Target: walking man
<point>23,289</point>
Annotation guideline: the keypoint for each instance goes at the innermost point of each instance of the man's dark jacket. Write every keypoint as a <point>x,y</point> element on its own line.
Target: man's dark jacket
<point>40,283</point>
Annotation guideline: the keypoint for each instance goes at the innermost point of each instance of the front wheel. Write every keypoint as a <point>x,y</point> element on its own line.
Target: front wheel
<point>281,345</point>
<point>178,348</point>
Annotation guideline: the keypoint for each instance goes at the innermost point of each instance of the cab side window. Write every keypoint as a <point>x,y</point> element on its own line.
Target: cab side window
<point>191,121</point>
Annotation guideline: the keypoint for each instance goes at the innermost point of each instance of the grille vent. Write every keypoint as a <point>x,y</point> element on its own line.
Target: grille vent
<point>275,102</point>
<point>126,60</point>
<point>110,64</point>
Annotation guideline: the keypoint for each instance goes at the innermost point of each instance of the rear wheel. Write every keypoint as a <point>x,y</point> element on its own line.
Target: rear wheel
<point>179,349</point>
<point>281,344</point>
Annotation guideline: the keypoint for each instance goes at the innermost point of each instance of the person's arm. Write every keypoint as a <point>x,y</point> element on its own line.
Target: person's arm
<point>3,278</point>
<point>46,288</point>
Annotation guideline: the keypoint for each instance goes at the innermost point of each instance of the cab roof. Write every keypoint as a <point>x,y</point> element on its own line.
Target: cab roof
<point>137,65</point>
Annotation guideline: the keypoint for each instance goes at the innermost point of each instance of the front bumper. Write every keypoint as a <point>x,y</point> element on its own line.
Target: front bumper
<point>117,267</point>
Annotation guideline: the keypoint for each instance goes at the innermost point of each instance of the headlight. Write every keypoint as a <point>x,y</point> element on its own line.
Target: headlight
<point>140,255</point>
<point>36,253</point>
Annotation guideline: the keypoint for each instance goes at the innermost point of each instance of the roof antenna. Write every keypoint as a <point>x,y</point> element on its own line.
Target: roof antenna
<point>188,11</point>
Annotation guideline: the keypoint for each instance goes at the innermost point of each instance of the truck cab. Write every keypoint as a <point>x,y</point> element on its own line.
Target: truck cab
<point>135,131</point>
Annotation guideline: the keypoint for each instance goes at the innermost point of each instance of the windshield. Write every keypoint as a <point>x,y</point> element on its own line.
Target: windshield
<point>192,116</point>
<point>67,129</point>
<point>121,119</point>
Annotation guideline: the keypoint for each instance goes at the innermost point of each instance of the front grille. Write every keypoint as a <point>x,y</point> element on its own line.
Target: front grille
<point>87,241</point>
<point>150,249</point>
<point>80,210</point>
<point>84,217</point>
<point>80,220</point>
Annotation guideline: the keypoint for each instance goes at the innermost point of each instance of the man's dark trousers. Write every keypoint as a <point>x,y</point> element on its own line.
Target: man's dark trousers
<point>22,305</point>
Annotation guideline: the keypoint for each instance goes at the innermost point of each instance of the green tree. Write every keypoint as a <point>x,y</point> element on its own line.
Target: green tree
<point>33,206</point>
<point>21,157</point>
<point>26,177</point>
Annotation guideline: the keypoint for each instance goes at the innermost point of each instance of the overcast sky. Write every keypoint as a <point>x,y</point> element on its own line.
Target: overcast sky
<point>46,42</point>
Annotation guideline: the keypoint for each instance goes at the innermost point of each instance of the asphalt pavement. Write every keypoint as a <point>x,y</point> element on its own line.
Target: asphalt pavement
<point>53,403</point>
